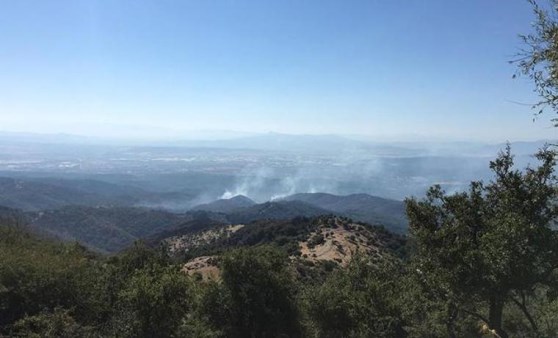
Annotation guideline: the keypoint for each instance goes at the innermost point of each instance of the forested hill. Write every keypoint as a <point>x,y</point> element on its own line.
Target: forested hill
<point>55,289</point>
<point>362,207</point>
<point>226,205</point>
<point>109,229</point>
<point>324,239</point>
<point>44,193</point>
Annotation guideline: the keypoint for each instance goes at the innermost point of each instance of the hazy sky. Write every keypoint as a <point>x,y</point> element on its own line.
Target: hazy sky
<point>384,68</point>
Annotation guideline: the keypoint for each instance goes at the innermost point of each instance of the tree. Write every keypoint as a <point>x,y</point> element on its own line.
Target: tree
<point>261,291</point>
<point>56,324</point>
<point>493,244</point>
<point>360,301</point>
<point>36,275</point>
<point>153,302</point>
<point>539,58</point>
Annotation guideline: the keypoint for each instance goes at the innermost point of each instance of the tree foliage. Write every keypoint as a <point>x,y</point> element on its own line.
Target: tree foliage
<point>261,290</point>
<point>538,59</point>
<point>361,301</point>
<point>493,244</point>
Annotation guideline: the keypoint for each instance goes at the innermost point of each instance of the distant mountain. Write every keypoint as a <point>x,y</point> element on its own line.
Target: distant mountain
<point>277,141</point>
<point>301,143</point>
<point>9,216</point>
<point>105,229</point>
<point>110,228</point>
<point>18,138</point>
<point>226,205</point>
<point>281,210</point>
<point>361,207</point>
<point>36,195</point>
<point>39,193</point>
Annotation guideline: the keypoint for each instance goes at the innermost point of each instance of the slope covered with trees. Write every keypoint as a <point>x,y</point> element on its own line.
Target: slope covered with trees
<point>361,207</point>
<point>104,229</point>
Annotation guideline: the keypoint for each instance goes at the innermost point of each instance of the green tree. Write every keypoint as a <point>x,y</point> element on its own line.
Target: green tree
<point>56,324</point>
<point>538,59</point>
<point>36,275</point>
<point>491,245</point>
<point>361,301</point>
<point>153,303</point>
<point>261,290</point>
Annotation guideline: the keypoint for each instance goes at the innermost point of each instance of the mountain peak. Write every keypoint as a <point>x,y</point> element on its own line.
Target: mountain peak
<point>239,198</point>
<point>227,204</point>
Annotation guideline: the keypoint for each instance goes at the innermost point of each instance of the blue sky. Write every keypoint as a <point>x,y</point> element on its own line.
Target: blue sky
<point>389,69</point>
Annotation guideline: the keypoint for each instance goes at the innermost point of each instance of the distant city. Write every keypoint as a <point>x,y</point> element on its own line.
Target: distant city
<point>262,167</point>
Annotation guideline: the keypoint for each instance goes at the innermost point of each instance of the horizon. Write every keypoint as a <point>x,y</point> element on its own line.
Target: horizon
<point>231,135</point>
<point>151,70</point>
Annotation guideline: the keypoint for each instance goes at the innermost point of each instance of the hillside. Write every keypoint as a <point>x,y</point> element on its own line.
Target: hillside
<point>104,229</point>
<point>361,207</point>
<point>93,220</point>
<point>12,216</point>
<point>319,240</point>
<point>200,221</point>
<point>226,205</point>
<point>63,290</point>
<point>32,194</point>
<point>113,228</point>
<point>40,193</point>
<point>281,210</point>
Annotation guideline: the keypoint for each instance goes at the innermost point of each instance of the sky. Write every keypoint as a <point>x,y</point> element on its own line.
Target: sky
<point>384,69</point>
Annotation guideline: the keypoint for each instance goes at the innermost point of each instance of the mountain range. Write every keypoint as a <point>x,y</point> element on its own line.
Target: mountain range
<point>360,207</point>
<point>110,228</point>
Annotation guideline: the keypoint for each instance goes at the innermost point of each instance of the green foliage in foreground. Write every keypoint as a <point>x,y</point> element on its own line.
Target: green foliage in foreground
<point>482,263</point>
<point>360,301</point>
<point>493,245</point>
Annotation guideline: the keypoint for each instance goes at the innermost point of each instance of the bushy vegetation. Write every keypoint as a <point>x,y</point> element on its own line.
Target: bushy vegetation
<point>286,235</point>
<point>491,247</point>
